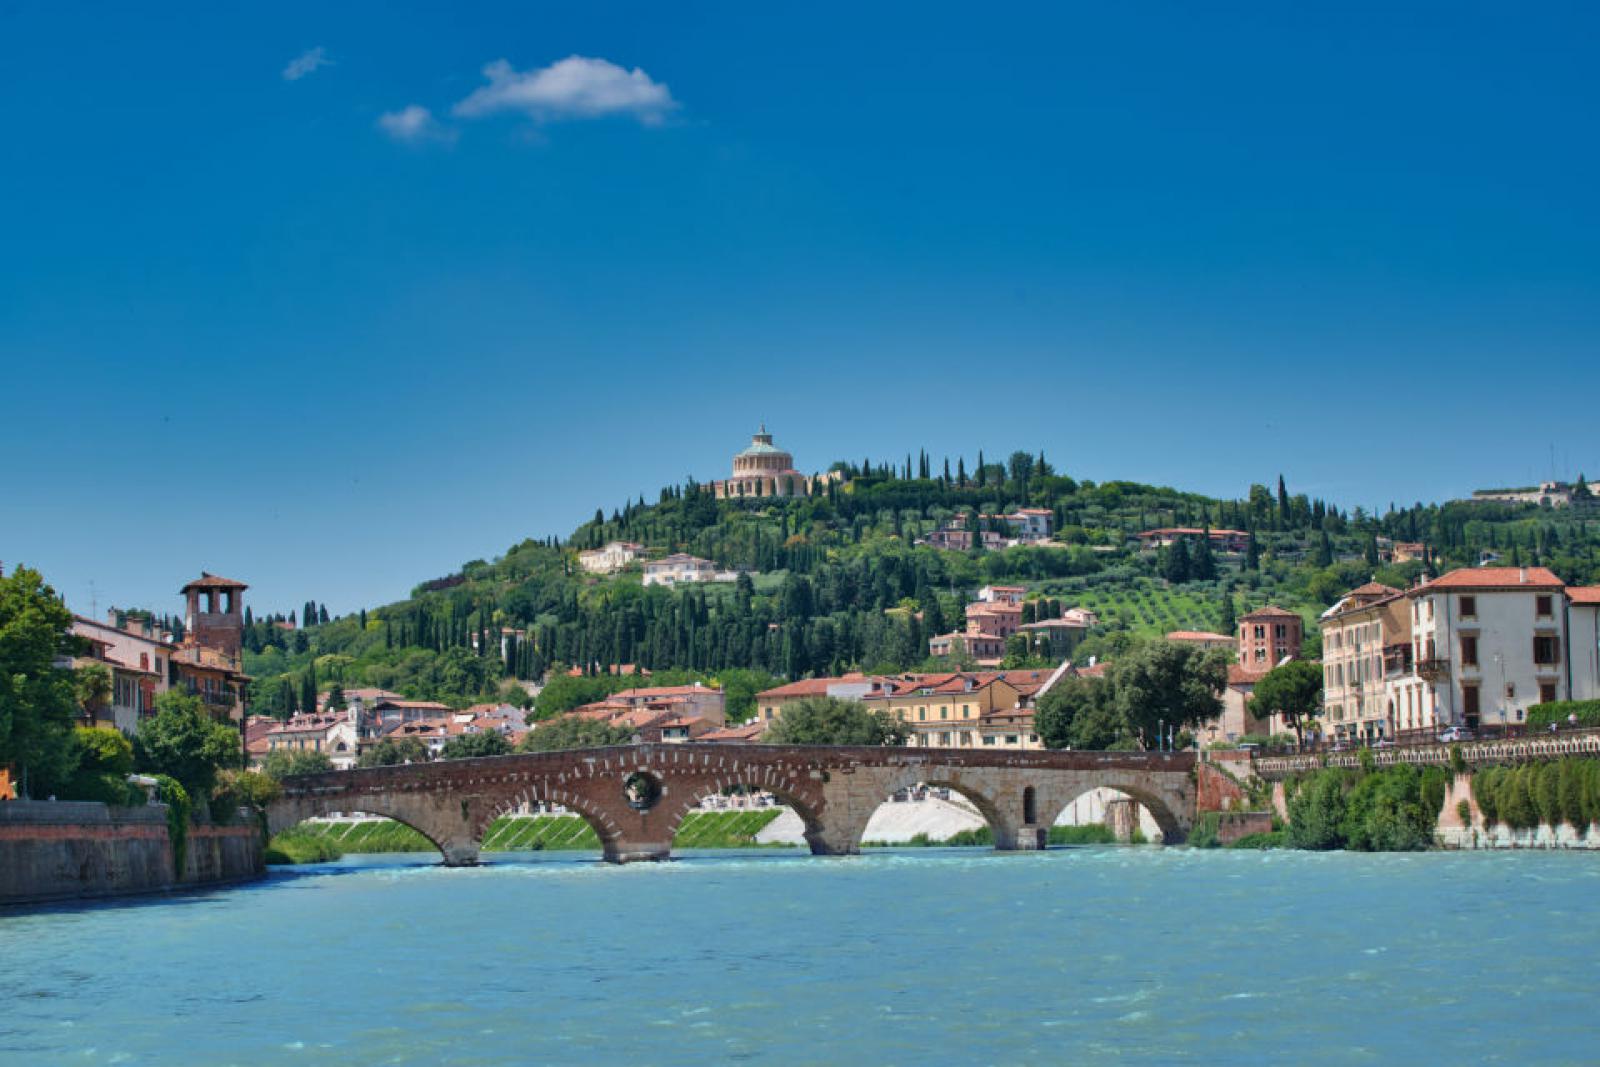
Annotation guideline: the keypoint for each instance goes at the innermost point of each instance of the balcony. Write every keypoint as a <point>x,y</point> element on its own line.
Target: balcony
<point>1396,659</point>
<point>1433,670</point>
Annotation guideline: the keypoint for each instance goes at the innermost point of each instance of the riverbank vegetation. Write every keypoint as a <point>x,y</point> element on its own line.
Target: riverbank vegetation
<point>1567,791</point>
<point>1366,810</point>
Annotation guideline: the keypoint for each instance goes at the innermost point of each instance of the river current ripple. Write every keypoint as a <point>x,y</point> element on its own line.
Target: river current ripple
<point>917,957</point>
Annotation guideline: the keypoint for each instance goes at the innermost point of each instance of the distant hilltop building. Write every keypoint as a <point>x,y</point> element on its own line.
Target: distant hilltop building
<point>763,469</point>
<point>1548,494</point>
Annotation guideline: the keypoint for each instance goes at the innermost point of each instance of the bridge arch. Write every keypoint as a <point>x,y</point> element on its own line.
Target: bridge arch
<point>282,817</point>
<point>989,801</point>
<point>1172,827</point>
<point>691,795</point>
<point>604,827</point>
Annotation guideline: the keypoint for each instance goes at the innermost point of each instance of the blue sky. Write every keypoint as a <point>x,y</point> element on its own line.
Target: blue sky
<point>333,297</point>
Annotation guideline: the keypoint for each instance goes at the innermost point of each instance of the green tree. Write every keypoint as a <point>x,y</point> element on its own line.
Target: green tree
<point>1164,684</point>
<point>830,721</point>
<point>572,732</point>
<point>285,762</point>
<point>469,746</point>
<point>1060,709</point>
<point>37,698</point>
<point>1229,621</point>
<point>91,684</point>
<point>336,700</point>
<point>182,741</point>
<point>392,751</point>
<point>1294,691</point>
<point>1316,812</point>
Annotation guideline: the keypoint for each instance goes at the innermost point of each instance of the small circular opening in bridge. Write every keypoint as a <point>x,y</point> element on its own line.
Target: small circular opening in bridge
<point>642,790</point>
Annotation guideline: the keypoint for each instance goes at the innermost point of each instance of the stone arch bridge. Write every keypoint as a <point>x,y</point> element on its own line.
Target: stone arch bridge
<point>834,790</point>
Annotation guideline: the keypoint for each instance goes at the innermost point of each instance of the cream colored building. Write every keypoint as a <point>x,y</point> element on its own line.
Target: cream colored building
<point>611,558</point>
<point>1365,650</point>
<point>683,569</point>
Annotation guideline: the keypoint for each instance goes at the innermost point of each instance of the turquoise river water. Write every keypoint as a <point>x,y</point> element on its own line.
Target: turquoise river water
<point>920,956</point>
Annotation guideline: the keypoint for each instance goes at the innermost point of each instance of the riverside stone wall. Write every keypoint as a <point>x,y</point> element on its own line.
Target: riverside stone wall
<point>59,850</point>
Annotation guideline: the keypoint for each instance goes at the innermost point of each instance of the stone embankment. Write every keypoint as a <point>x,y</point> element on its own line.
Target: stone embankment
<point>57,850</point>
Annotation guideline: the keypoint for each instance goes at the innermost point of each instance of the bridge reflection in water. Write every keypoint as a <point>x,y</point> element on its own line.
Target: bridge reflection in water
<point>634,796</point>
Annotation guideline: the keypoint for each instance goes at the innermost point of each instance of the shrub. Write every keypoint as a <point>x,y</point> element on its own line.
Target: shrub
<point>299,845</point>
<point>1464,812</point>
<point>1485,789</point>
<point>176,798</point>
<point>1317,811</point>
<point>1204,834</point>
<point>1274,839</point>
<point>1540,716</point>
<point>1094,833</point>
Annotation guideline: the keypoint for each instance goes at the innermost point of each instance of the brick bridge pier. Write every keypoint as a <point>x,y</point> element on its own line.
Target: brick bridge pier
<point>834,790</point>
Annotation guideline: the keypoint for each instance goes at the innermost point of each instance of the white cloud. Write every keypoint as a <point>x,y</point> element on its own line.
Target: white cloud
<point>305,63</point>
<point>413,125</point>
<point>573,88</point>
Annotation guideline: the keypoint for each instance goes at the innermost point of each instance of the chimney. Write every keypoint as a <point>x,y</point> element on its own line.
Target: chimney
<point>1522,576</point>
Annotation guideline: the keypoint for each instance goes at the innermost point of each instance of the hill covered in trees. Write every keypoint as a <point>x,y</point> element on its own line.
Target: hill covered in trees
<point>836,581</point>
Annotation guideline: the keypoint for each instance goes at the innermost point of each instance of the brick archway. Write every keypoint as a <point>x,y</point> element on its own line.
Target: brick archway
<point>834,789</point>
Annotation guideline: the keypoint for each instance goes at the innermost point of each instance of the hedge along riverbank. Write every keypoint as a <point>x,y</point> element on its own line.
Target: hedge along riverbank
<point>1564,791</point>
<point>1392,810</point>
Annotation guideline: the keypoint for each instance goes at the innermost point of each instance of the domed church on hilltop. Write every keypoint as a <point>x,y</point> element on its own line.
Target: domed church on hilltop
<point>763,469</point>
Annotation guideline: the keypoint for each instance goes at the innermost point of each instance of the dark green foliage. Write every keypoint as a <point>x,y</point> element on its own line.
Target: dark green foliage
<point>1149,688</point>
<point>1094,833</point>
<point>1293,690</point>
<point>183,741</point>
<point>828,721</point>
<point>1316,812</point>
<point>37,698</point>
<point>285,762</point>
<point>469,746</point>
<point>1540,716</point>
<point>176,798</point>
<point>1270,839</point>
<point>391,751</point>
<point>1204,834</point>
<point>565,733</point>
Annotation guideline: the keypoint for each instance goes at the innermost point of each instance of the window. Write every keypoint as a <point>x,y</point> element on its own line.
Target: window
<point>1469,700</point>
<point>1542,606</point>
<point>1546,651</point>
<point>1469,607</point>
<point>922,714</point>
<point>1469,651</point>
<point>1261,632</point>
<point>1547,692</point>
<point>1280,630</point>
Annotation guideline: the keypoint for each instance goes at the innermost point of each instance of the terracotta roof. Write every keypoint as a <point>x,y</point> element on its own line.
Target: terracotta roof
<point>749,731</point>
<point>207,580</point>
<point>426,705</point>
<point>1197,635</point>
<point>1373,589</point>
<point>1239,674</point>
<point>1275,612</point>
<point>655,692</point>
<point>1489,578</point>
<point>807,687</point>
<point>1584,594</point>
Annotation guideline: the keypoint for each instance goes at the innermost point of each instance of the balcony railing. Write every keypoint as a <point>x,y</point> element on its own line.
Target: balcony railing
<point>1433,669</point>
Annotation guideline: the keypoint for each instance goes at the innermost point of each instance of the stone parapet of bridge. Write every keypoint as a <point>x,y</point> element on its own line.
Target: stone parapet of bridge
<point>833,789</point>
<point>1539,747</point>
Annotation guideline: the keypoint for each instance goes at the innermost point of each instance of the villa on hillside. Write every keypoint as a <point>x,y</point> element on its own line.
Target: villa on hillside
<point>680,568</point>
<point>611,558</point>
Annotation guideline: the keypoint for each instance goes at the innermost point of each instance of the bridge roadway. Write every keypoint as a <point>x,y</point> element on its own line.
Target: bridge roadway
<point>834,790</point>
<point>1529,748</point>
